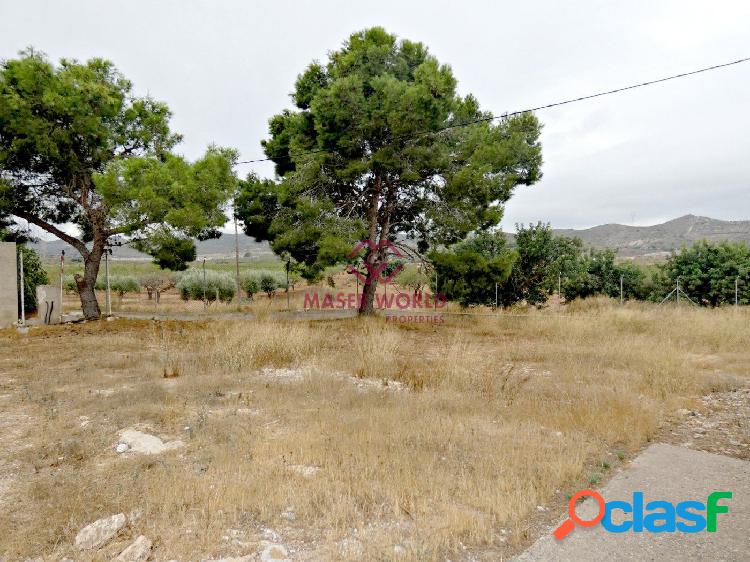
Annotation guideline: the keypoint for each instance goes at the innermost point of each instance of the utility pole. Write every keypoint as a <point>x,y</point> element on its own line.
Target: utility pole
<point>237,259</point>
<point>23,291</point>
<point>106,277</point>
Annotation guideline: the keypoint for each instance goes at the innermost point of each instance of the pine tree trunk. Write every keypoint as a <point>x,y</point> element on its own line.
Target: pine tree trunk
<point>366,305</point>
<point>86,284</point>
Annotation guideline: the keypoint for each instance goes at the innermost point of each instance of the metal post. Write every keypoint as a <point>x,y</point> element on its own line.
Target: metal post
<point>205,302</point>
<point>23,291</point>
<point>621,293</point>
<point>559,281</point>
<point>287,285</point>
<point>736,291</point>
<point>678,291</point>
<point>237,259</point>
<point>106,276</point>
<point>62,282</point>
<point>495,296</point>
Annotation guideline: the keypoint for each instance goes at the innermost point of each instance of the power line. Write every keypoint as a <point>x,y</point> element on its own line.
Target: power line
<point>538,108</point>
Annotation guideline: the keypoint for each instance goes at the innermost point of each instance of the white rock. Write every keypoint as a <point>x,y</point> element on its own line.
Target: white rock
<point>138,551</point>
<point>146,444</point>
<point>305,470</point>
<point>121,448</point>
<point>289,514</point>
<point>351,549</point>
<point>99,532</point>
<point>274,553</point>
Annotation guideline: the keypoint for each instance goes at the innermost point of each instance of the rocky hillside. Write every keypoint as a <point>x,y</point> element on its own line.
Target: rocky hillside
<point>661,238</point>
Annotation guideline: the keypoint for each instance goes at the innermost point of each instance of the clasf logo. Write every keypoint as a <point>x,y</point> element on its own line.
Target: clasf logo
<point>653,517</point>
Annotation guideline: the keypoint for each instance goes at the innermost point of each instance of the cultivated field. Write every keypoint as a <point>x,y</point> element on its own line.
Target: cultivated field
<point>341,439</point>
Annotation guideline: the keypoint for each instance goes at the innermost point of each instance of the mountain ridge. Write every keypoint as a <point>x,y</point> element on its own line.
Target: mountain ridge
<point>660,238</point>
<point>630,241</point>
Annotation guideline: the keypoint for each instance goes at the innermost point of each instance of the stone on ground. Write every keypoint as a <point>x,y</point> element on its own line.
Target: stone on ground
<point>143,443</point>
<point>99,532</point>
<point>274,553</point>
<point>138,551</point>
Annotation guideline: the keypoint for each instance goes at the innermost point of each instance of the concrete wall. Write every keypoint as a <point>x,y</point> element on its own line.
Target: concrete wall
<point>8,284</point>
<point>48,304</point>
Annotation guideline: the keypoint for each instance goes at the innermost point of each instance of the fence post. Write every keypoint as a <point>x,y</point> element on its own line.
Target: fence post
<point>205,302</point>
<point>62,282</point>
<point>678,291</point>
<point>736,291</point>
<point>106,277</point>
<point>621,293</point>
<point>237,260</point>
<point>23,289</point>
<point>288,262</point>
<point>495,296</point>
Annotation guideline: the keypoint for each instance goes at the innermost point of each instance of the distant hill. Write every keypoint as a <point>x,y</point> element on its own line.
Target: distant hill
<point>660,239</point>
<point>219,248</point>
<point>630,241</point>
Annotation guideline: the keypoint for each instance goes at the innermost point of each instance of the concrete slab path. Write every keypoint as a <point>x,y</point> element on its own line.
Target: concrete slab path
<point>674,474</point>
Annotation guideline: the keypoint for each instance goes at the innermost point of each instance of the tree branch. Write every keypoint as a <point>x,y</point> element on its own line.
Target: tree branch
<point>52,229</point>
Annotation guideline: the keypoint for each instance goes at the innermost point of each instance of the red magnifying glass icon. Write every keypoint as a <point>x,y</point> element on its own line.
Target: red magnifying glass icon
<point>569,524</point>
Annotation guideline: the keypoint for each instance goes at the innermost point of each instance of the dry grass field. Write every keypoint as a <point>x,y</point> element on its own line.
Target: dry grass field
<point>345,439</point>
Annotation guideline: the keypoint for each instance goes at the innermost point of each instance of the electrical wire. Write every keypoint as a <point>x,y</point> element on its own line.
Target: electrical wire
<point>522,111</point>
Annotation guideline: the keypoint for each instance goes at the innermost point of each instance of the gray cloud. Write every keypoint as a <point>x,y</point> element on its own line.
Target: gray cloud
<point>224,67</point>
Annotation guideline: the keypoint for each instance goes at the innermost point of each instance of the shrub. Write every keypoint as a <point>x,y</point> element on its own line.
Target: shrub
<point>268,284</point>
<point>217,284</point>
<point>250,284</point>
<point>119,284</point>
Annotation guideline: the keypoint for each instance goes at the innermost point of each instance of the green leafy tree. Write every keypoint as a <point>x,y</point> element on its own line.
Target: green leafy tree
<point>542,259</point>
<point>34,274</point>
<point>470,270</point>
<point>707,272</point>
<point>76,146</point>
<point>376,147</point>
<point>598,274</point>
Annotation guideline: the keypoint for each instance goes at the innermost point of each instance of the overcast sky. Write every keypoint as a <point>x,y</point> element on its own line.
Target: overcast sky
<point>641,157</point>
